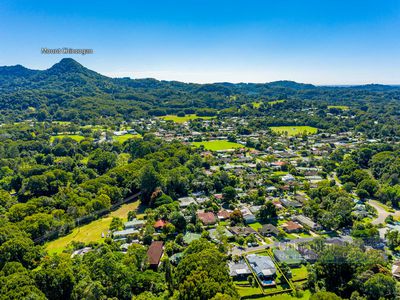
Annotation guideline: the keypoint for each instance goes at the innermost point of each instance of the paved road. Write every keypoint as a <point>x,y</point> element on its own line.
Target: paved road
<point>382,213</point>
<point>237,251</point>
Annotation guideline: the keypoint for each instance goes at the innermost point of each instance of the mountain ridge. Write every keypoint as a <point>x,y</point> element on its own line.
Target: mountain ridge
<point>69,65</point>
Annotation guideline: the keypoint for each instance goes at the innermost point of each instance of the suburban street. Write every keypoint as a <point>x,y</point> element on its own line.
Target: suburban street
<point>382,213</point>
<point>237,251</point>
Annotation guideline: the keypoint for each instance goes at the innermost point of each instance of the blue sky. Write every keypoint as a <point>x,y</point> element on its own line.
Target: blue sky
<point>313,41</point>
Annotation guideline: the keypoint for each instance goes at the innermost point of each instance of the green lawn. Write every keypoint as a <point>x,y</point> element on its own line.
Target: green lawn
<point>294,130</point>
<point>342,107</point>
<point>75,137</point>
<point>218,145</point>
<point>285,296</point>
<point>90,232</point>
<point>255,226</point>
<point>299,273</point>
<point>125,137</point>
<point>184,119</point>
<point>304,234</point>
<point>248,291</point>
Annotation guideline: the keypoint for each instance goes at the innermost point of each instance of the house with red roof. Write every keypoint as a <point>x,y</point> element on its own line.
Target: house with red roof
<point>160,224</point>
<point>207,218</point>
<point>291,226</point>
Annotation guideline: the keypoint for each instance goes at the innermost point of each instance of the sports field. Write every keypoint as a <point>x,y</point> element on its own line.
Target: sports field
<point>75,137</point>
<point>184,119</point>
<point>218,145</point>
<point>294,130</point>
<point>91,232</point>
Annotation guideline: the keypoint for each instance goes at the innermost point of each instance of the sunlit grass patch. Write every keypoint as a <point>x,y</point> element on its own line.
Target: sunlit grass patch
<point>294,130</point>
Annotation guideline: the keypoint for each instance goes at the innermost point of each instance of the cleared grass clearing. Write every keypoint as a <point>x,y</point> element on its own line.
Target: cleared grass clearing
<point>218,145</point>
<point>275,102</point>
<point>256,105</point>
<point>75,137</point>
<point>91,232</point>
<point>294,130</point>
<point>184,119</point>
<point>342,107</point>
<point>125,137</point>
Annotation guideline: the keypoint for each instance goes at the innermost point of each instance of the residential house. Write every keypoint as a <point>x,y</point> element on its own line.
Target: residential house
<point>159,225</point>
<point>268,230</point>
<point>186,201</point>
<point>207,218</point>
<point>396,270</point>
<point>308,254</point>
<point>239,270</point>
<point>81,251</point>
<point>214,234</point>
<point>289,256</point>
<point>154,254</point>
<point>290,203</point>
<point>264,268</point>
<point>291,227</point>
<point>223,215</point>
<point>124,233</point>
<point>248,216</point>
<point>288,178</point>
<point>307,222</point>
<point>242,231</point>
<point>135,224</point>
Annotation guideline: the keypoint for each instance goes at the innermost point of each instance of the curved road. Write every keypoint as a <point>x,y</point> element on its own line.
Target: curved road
<point>382,213</point>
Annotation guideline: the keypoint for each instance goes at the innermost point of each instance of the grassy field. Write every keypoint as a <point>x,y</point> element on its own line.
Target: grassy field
<point>275,102</point>
<point>294,130</point>
<point>90,232</point>
<point>125,137</point>
<point>75,137</point>
<point>184,119</point>
<point>218,145</point>
<point>256,105</point>
<point>342,107</point>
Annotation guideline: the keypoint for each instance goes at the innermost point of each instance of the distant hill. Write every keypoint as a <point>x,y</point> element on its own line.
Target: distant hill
<point>68,89</point>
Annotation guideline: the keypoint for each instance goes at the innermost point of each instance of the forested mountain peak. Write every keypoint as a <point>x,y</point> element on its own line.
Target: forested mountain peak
<point>70,66</point>
<point>16,71</point>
